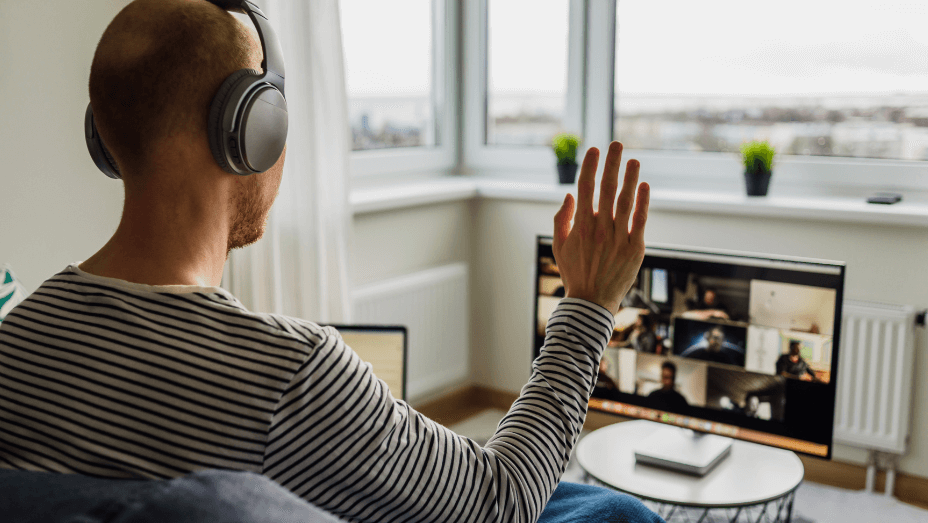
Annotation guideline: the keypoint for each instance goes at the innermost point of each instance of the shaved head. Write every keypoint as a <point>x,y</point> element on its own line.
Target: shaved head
<point>154,75</point>
<point>155,71</point>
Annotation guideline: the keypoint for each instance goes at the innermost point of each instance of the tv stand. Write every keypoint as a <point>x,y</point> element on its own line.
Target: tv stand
<point>683,450</point>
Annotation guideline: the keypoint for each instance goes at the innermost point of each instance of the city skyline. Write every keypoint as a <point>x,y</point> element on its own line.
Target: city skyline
<point>894,127</point>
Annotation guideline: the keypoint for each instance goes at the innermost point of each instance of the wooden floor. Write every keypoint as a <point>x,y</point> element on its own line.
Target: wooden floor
<point>465,402</point>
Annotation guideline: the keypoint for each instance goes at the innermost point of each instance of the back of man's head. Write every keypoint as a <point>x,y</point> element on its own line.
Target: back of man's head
<point>155,71</point>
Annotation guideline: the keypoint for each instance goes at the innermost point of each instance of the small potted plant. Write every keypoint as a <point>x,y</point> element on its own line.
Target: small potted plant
<point>758,165</point>
<point>565,148</point>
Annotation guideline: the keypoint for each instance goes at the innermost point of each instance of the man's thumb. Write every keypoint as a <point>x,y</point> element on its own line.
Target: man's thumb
<point>562,219</point>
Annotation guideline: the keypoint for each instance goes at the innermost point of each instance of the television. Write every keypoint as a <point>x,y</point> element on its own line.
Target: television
<point>733,344</point>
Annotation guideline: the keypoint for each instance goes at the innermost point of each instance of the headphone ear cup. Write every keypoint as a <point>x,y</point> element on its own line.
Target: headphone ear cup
<point>98,151</point>
<point>264,126</point>
<point>216,112</point>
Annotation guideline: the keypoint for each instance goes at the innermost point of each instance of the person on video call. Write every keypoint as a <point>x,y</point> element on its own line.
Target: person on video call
<point>713,347</point>
<point>708,306</point>
<point>792,365</point>
<point>603,380</point>
<point>666,397</point>
<point>752,406</point>
<point>642,338</point>
<point>136,364</point>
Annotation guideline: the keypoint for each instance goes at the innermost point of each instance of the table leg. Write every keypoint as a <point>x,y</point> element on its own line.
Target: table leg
<point>735,517</point>
<point>781,504</point>
<point>763,512</point>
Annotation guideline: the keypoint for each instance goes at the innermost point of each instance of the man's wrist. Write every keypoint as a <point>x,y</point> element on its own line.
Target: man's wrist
<point>611,307</point>
<point>606,314</point>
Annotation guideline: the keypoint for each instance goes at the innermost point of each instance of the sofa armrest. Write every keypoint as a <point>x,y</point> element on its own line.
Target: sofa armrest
<point>207,496</point>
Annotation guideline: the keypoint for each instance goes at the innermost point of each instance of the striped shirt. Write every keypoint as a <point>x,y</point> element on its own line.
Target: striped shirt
<point>109,378</point>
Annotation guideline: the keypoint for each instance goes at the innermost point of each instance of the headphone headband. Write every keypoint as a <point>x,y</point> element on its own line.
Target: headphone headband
<point>247,124</point>
<point>273,60</point>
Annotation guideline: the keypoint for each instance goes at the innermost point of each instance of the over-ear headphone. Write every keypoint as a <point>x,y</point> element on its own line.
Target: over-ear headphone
<point>247,124</point>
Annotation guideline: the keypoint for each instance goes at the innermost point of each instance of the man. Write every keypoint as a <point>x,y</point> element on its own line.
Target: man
<point>604,382</point>
<point>792,365</point>
<point>666,397</point>
<point>714,348</point>
<point>642,337</point>
<point>135,363</point>
<point>708,307</point>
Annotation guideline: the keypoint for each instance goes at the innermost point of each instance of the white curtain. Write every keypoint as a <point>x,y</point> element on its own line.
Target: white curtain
<point>300,267</point>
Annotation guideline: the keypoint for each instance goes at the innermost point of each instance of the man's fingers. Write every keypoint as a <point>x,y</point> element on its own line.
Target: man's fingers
<point>609,184</point>
<point>623,207</point>
<point>641,213</point>
<point>585,185</point>
<point>562,221</point>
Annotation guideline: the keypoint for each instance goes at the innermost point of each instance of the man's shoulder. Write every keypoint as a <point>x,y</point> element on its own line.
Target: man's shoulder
<point>209,311</point>
<point>695,351</point>
<point>300,328</point>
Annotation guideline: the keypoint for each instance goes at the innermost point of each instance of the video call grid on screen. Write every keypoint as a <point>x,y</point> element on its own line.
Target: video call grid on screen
<point>743,340</point>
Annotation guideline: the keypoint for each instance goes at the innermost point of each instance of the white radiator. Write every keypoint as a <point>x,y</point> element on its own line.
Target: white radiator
<point>433,305</point>
<point>875,376</point>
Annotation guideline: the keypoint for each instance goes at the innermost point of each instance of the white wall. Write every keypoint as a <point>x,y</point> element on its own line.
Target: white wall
<point>403,241</point>
<point>884,263</point>
<point>57,207</point>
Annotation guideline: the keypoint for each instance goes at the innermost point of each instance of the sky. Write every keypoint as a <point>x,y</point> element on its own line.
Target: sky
<point>767,48</point>
<point>746,47</point>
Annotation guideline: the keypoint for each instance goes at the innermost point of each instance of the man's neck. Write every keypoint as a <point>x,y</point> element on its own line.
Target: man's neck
<point>183,245</point>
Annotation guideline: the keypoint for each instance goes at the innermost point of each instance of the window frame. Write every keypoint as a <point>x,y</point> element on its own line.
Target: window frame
<point>374,163</point>
<point>822,175</point>
<point>506,159</point>
<point>592,37</point>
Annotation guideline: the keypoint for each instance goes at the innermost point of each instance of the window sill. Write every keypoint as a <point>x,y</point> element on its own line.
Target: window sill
<point>364,200</point>
<point>912,211</point>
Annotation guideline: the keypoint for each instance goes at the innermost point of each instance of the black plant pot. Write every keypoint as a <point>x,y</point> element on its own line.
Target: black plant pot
<point>757,182</point>
<point>566,172</point>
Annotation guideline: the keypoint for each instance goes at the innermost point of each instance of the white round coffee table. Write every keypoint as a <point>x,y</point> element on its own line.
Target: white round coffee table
<point>754,481</point>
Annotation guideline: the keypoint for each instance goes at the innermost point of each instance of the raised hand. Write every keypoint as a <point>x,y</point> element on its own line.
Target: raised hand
<point>599,256</point>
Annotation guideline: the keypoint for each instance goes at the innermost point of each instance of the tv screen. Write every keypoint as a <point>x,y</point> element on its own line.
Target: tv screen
<point>737,344</point>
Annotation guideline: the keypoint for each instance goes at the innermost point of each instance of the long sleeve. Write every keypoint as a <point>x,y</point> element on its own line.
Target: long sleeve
<point>341,441</point>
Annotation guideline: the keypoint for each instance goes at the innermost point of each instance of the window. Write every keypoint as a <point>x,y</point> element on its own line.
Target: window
<point>814,78</point>
<point>527,71</point>
<point>388,73</point>
<point>526,84</point>
<point>840,90</point>
<point>399,57</point>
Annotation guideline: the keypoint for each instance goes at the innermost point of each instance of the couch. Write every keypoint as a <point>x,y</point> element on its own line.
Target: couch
<point>214,496</point>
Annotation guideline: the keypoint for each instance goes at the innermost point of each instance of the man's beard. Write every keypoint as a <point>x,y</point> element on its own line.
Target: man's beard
<point>251,217</point>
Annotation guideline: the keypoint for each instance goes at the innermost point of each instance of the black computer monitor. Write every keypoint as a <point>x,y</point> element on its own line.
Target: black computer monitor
<point>737,344</point>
